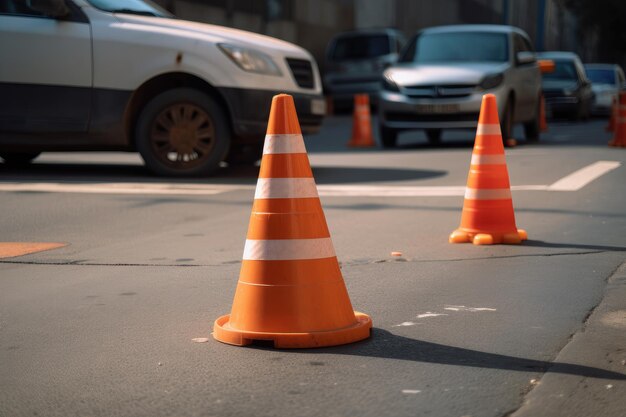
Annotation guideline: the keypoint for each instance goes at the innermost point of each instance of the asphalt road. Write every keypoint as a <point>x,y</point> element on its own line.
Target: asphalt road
<point>104,325</point>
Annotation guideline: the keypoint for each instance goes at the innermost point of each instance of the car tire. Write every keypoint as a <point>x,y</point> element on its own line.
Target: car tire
<point>506,123</point>
<point>434,136</point>
<point>388,137</point>
<point>532,128</point>
<point>19,158</point>
<point>182,132</point>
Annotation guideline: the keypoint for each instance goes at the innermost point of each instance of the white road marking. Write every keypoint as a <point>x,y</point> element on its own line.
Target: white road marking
<point>411,391</point>
<point>405,324</point>
<point>429,314</point>
<point>117,188</point>
<point>577,180</point>
<point>472,309</point>
<point>572,182</point>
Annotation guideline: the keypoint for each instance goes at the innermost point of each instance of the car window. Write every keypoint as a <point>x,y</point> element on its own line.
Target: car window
<point>601,76</point>
<point>520,45</point>
<point>563,70</point>
<point>457,47</point>
<point>360,47</point>
<point>141,7</point>
<point>19,8</point>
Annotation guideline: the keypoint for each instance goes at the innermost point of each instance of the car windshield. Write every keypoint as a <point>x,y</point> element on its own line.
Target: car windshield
<point>141,7</point>
<point>601,76</point>
<point>457,47</point>
<point>563,70</point>
<point>360,47</point>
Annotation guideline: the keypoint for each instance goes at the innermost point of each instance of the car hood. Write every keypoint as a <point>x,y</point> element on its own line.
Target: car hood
<point>212,33</point>
<point>558,85</point>
<point>429,74</point>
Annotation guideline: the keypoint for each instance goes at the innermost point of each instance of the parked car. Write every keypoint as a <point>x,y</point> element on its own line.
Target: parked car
<point>356,60</point>
<point>567,90</point>
<point>444,72</point>
<point>95,75</point>
<point>606,81</point>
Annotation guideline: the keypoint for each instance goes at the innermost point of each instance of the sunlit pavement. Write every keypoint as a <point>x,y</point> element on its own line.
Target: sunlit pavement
<point>104,325</point>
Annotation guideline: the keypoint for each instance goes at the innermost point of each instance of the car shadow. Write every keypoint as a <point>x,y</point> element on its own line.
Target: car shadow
<point>103,172</point>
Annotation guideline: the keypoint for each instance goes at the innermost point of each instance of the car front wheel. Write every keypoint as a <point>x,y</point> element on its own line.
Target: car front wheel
<point>182,132</point>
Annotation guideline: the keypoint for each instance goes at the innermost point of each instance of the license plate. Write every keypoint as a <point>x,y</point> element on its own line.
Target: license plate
<point>437,108</point>
<point>318,106</point>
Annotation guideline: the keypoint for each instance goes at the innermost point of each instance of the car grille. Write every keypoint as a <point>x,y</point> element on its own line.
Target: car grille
<point>302,72</point>
<point>430,91</point>
<point>412,117</point>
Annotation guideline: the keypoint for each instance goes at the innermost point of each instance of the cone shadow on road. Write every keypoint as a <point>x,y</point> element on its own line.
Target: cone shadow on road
<point>542,244</point>
<point>386,345</point>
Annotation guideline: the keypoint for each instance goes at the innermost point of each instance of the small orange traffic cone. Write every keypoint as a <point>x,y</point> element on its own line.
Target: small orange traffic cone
<point>611,126</point>
<point>488,215</point>
<point>362,123</point>
<point>290,288</point>
<point>543,123</point>
<point>619,136</point>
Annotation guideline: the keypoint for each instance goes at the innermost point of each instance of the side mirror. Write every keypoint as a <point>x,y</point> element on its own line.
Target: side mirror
<point>52,8</point>
<point>546,66</point>
<point>525,57</point>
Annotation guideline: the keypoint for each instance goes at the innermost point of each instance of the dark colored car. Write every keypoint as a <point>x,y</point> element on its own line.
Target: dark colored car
<point>356,60</point>
<point>567,90</point>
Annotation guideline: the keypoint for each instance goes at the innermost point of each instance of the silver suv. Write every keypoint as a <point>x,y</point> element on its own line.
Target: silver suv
<point>442,74</point>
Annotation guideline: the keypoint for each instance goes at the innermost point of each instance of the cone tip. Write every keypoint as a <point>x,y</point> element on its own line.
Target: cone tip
<point>283,118</point>
<point>489,110</point>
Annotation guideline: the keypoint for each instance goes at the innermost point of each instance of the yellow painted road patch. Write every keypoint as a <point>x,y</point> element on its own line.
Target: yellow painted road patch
<point>12,249</point>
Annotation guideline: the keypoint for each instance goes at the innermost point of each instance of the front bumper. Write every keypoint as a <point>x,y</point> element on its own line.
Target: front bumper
<point>250,109</point>
<point>400,112</point>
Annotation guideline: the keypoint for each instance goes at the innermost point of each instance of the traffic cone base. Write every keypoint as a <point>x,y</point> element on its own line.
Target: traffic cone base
<point>464,236</point>
<point>360,330</point>
<point>290,288</point>
<point>488,217</point>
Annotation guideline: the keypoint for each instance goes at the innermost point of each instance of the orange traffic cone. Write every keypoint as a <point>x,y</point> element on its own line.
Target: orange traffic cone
<point>362,123</point>
<point>290,288</point>
<point>619,136</point>
<point>488,215</point>
<point>543,123</point>
<point>611,126</point>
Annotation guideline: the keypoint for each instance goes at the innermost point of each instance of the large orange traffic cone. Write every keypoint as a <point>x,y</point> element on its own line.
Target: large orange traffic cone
<point>488,215</point>
<point>362,123</point>
<point>611,126</point>
<point>619,136</point>
<point>543,123</point>
<point>290,288</point>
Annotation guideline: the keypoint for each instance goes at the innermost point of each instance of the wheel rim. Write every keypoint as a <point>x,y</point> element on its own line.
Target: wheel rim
<point>182,136</point>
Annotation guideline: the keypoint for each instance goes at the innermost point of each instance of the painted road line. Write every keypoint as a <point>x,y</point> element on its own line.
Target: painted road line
<point>577,180</point>
<point>13,249</point>
<point>120,188</point>
<point>415,191</point>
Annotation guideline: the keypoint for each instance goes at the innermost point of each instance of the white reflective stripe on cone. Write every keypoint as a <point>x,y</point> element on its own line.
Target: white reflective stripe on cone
<point>287,143</point>
<point>488,129</point>
<point>288,249</point>
<point>488,159</point>
<point>487,194</point>
<point>285,188</point>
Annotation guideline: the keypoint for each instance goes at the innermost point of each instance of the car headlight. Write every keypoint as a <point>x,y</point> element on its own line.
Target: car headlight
<point>389,84</point>
<point>491,81</point>
<point>251,60</point>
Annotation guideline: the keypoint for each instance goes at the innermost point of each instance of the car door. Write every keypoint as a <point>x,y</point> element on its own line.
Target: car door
<point>45,70</point>
<point>528,81</point>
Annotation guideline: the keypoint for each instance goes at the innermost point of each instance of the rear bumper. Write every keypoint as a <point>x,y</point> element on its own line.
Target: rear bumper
<point>249,111</point>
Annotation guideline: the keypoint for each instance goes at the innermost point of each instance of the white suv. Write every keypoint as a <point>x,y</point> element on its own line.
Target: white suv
<point>100,75</point>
